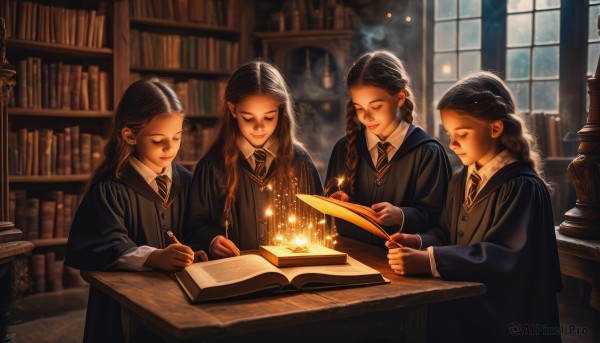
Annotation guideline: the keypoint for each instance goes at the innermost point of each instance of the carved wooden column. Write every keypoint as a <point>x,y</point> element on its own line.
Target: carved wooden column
<point>583,220</point>
<point>10,246</point>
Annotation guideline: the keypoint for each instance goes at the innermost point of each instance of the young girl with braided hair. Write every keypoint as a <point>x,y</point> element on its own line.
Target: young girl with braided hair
<point>385,161</point>
<point>256,155</point>
<point>497,224</point>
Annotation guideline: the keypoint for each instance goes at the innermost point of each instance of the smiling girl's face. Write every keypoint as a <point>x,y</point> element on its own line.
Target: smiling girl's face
<point>257,117</point>
<point>377,109</point>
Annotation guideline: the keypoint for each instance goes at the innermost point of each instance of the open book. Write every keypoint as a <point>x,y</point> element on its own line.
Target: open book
<point>245,274</point>
<point>358,215</point>
<point>316,255</point>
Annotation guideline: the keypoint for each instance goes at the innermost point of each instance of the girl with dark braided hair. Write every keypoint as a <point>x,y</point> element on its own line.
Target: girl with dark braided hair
<point>497,224</point>
<point>385,161</point>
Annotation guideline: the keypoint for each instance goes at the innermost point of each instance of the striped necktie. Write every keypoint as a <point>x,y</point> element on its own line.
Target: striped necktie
<point>382,158</point>
<point>163,191</point>
<point>260,161</point>
<point>472,192</point>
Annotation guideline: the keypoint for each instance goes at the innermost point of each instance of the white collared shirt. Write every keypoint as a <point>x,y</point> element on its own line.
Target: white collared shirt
<point>395,140</point>
<point>247,150</point>
<point>149,175</point>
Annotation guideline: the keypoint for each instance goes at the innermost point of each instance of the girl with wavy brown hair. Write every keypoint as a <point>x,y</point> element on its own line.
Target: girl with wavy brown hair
<point>255,156</point>
<point>385,161</point>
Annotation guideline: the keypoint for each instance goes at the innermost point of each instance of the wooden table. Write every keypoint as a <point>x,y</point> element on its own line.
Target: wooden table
<point>580,258</point>
<point>395,311</point>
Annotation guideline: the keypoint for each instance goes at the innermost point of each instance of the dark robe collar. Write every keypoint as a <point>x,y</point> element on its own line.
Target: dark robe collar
<point>133,179</point>
<point>415,137</point>
<point>506,173</point>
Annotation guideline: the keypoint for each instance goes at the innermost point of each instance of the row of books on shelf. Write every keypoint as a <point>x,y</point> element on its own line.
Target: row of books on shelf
<point>60,86</point>
<point>45,152</point>
<point>546,128</point>
<point>211,12</point>
<point>43,218</point>
<point>299,15</point>
<point>196,143</point>
<point>198,97</point>
<point>156,50</point>
<point>51,24</point>
<point>48,274</point>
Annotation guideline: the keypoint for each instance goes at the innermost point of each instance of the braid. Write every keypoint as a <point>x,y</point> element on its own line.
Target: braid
<point>352,128</point>
<point>406,110</point>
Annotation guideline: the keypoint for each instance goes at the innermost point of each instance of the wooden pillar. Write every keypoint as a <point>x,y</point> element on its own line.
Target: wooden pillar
<point>6,84</point>
<point>583,220</point>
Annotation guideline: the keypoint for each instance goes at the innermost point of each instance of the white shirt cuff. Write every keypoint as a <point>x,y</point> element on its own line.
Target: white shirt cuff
<point>401,224</point>
<point>432,264</point>
<point>211,242</point>
<point>134,258</point>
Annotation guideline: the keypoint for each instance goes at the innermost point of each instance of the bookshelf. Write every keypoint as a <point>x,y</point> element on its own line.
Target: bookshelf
<point>58,117</point>
<point>204,45</point>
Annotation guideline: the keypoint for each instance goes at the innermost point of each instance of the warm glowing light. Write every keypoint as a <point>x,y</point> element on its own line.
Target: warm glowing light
<point>269,212</point>
<point>279,238</point>
<point>335,242</point>
<point>328,237</point>
<point>408,19</point>
<point>292,219</point>
<point>389,14</point>
<point>446,69</point>
<point>310,225</point>
<point>340,181</point>
<point>322,221</point>
<point>270,187</point>
<point>300,241</point>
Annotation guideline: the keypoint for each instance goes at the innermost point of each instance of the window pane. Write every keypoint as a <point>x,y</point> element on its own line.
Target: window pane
<point>468,62</point>
<point>518,30</point>
<point>594,2</point>
<point>445,9</point>
<point>521,92</point>
<point>445,36</point>
<point>438,90</point>
<point>547,27</point>
<point>592,61</point>
<point>469,34</point>
<point>545,4</point>
<point>444,66</point>
<point>593,27</point>
<point>544,96</point>
<point>517,64</point>
<point>545,62</point>
<point>469,8</point>
<point>519,6</point>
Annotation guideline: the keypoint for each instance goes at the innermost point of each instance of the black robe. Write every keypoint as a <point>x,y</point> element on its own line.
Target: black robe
<point>247,222</point>
<point>115,216</point>
<point>417,182</point>
<point>507,241</point>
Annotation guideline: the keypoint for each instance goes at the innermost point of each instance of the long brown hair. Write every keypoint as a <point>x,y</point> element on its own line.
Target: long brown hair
<point>143,100</point>
<point>382,69</point>
<point>483,95</point>
<point>256,77</point>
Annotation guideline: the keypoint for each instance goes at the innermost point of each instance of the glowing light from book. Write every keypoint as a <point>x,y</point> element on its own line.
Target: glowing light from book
<point>322,221</point>
<point>292,219</point>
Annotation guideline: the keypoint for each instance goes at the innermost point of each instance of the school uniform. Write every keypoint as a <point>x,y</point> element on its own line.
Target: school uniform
<point>504,238</point>
<point>415,179</point>
<point>248,224</point>
<point>118,224</point>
